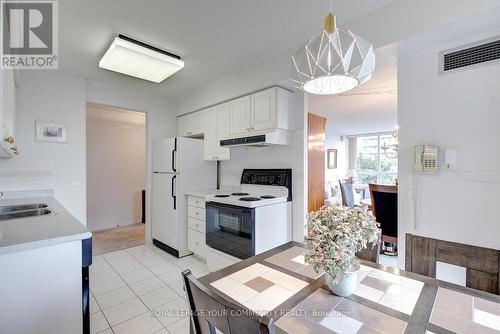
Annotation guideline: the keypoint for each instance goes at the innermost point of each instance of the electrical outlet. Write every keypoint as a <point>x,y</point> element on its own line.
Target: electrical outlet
<point>75,186</point>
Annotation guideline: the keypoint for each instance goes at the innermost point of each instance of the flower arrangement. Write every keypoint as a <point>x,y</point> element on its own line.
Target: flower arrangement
<point>335,235</point>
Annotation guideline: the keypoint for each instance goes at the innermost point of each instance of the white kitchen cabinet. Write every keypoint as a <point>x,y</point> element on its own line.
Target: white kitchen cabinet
<point>215,126</point>
<point>7,113</point>
<point>260,112</point>
<point>196,226</point>
<point>240,119</point>
<point>191,125</point>
<point>264,109</point>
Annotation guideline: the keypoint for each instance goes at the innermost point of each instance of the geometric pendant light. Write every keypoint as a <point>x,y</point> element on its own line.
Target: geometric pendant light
<point>332,62</point>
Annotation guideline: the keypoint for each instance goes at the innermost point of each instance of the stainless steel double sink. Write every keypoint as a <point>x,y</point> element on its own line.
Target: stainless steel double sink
<point>23,210</point>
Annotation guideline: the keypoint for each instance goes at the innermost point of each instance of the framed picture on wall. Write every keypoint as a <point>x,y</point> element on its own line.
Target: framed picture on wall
<point>50,132</point>
<point>331,158</point>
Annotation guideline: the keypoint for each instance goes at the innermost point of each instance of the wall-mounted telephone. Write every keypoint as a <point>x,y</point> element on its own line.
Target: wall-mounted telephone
<point>426,158</point>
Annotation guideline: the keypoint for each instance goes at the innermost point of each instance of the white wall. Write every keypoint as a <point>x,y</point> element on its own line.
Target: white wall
<point>333,140</point>
<point>61,97</point>
<point>116,167</point>
<point>271,71</point>
<point>160,121</point>
<point>49,96</point>
<point>459,110</point>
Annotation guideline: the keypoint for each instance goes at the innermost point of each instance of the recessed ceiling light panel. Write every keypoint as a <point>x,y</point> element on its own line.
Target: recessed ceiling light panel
<point>131,57</point>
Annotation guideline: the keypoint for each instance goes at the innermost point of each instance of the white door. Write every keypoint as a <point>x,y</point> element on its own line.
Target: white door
<point>239,116</point>
<point>165,156</point>
<point>264,110</point>
<point>164,209</point>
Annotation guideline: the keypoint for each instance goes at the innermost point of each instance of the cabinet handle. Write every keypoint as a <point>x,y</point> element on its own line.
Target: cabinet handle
<point>197,213</point>
<point>197,225</point>
<point>196,243</point>
<point>9,140</point>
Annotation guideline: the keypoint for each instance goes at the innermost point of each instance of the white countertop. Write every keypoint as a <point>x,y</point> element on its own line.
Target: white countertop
<point>211,192</point>
<point>40,231</point>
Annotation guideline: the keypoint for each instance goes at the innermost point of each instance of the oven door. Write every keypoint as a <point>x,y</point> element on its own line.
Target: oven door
<point>230,229</point>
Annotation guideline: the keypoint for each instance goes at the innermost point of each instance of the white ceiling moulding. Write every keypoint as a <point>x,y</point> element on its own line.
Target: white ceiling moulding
<point>333,62</point>
<point>135,58</point>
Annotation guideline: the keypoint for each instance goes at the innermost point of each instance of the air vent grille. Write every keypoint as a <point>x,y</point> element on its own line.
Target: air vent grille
<point>472,56</point>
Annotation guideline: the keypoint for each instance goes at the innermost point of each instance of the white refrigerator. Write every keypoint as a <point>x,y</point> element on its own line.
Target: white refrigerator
<point>178,167</point>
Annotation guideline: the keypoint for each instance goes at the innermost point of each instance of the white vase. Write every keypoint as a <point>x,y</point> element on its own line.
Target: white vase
<point>347,284</point>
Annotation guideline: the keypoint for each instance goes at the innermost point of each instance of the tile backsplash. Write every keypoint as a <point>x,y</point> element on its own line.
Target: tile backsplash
<point>17,174</point>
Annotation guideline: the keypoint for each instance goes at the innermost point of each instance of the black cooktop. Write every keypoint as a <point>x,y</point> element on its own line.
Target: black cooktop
<point>240,194</point>
<point>249,199</point>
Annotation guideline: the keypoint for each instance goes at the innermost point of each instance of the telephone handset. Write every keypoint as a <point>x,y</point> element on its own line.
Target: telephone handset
<point>426,158</point>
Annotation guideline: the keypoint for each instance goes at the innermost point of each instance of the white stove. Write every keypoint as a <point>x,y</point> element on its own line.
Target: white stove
<point>253,196</point>
<point>256,218</point>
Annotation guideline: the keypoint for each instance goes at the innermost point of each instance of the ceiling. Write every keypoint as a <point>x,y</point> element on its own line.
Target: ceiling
<point>214,37</point>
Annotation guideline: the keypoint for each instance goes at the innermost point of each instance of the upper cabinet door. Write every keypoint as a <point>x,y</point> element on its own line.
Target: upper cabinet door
<point>239,116</point>
<point>191,125</point>
<point>215,121</point>
<point>264,109</point>
<point>223,153</point>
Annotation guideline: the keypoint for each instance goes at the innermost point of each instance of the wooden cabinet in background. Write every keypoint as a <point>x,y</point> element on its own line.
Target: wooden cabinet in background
<point>316,161</point>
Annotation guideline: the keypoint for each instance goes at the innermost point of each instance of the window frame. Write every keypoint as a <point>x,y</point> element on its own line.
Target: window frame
<point>379,171</point>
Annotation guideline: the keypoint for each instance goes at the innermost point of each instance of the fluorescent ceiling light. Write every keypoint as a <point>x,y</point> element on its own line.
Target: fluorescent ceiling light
<point>131,57</point>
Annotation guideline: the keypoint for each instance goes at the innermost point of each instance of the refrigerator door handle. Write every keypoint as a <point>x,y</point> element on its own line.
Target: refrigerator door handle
<point>174,196</point>
<point>173,155</point>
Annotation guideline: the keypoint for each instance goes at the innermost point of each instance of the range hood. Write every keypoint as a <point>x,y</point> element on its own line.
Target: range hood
<point>276,137</point>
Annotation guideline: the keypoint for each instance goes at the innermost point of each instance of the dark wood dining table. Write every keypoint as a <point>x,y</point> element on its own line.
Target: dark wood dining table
<point>280,285</point>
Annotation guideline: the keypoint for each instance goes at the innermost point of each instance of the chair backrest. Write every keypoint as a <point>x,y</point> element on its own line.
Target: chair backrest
<point>482,265</point>
<point>370,253</point>
<point>210,311</point>
<point>347,191</point>
<point>385,208</point>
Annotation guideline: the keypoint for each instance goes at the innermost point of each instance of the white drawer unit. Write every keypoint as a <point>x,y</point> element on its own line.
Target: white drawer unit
<point>196,201</point>
<point>195,212</point>
<point>196,224</point>
<point>196,242</point>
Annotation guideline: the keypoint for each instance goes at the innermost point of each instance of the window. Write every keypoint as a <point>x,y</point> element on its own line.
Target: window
<point>373,166</point>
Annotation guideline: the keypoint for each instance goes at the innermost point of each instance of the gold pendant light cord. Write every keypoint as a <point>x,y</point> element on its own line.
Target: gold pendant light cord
<point>330,20</point>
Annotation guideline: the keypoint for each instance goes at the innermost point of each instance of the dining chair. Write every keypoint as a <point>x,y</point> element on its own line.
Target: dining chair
<point>385,209</point>
<point>212,314</point>
<point>370,253</point>
<point>347,192</point>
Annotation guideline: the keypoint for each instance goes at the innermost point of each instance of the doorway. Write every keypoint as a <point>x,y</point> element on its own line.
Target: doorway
<point>116,177</point>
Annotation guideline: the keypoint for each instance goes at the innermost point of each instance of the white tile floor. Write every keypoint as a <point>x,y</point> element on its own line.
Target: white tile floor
<point>139,290</point>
